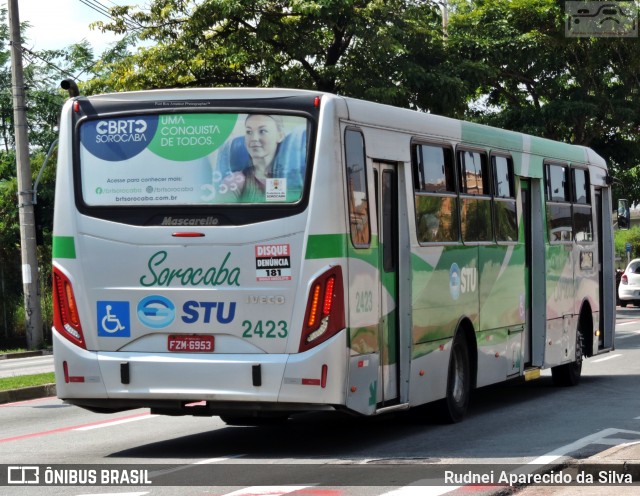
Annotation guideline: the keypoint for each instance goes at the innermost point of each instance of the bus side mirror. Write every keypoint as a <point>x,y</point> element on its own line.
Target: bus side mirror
<point>624,215</point>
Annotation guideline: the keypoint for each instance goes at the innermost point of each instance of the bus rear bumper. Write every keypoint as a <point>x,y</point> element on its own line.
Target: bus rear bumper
<point>113,381</point>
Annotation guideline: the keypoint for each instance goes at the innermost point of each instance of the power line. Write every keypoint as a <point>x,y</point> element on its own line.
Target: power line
<point>33,55</point>
<point>94,5</point>
<point>98,7</point>
<point>104,10</point>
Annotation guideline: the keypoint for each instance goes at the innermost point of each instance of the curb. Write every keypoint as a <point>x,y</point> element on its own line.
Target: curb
<point>28,393</point>
<point>626,451</point>
<point>25,354</point>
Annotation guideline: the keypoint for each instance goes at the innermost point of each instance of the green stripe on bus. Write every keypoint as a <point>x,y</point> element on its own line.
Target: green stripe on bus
<point>554,149</point>
<point>493,137</point>
<point>334,246</point>
<point>325,246</point>
<point>64,247</point>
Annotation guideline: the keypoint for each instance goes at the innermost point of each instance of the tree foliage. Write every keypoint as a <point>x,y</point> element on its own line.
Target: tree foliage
<point>43,71</point>
<point>621,238</point>
<point>389,51</point>
<point>510,59</point>
<point>538,80</point>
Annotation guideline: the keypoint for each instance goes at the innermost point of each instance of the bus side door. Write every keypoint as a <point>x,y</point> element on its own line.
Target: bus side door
<point>386,190</point>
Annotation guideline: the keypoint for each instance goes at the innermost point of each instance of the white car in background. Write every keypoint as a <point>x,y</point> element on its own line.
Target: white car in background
<point>629,289</point>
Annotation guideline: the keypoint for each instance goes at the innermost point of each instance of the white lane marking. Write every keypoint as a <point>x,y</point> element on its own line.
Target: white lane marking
<point>596,438</point>
<point>208,461</point>
<point>418,490</point>
<point>114,494</point>
<point>627,335</point>
<point>265,490</point>
<point>114,422</point>
<point>612,441</point>
<point>214,460</point>
<point>606,358</point>
<point>635,321</point>
<point>600,437</point>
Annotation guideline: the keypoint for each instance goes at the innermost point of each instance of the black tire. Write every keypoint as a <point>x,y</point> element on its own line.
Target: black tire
<point>623,304</point>
<point>454,406</point>
<point>569,374</point>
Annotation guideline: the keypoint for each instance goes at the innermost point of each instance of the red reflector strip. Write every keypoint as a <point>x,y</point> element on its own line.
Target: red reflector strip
<point>70,378</point>
<point>188,235</point>
<point>310,382</point>
<point>323,376</point>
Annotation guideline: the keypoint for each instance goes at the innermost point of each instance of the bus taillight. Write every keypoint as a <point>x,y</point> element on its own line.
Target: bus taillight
<point>66,319</point>
<point>325,309</point>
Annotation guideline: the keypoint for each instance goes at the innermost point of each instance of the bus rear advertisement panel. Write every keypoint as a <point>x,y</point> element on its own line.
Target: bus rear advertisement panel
<point>261,252</point>
<point>191,159</point>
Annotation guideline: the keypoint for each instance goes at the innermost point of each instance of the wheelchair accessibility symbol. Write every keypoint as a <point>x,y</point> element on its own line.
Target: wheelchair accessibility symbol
<point>113,319</point>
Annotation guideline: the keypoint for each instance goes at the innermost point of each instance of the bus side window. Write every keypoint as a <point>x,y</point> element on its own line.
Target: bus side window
<point>506,217</point>
<point>582,220</point>
<point>358,197</point>
<point>475,199</point>
<point>557,192</point>
<point>436,201</point>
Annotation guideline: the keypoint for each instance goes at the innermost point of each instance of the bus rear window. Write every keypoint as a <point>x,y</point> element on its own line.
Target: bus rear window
<point>193,159</point>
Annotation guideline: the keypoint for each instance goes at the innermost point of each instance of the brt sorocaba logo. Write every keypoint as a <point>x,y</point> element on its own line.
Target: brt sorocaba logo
<point>118,139</point>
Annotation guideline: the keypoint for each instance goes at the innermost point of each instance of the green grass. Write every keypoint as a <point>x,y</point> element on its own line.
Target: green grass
<point>22,381</point>
<point>13,350</point>
<point>5,351</point>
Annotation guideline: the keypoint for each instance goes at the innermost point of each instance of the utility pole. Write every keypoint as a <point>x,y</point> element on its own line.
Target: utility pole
<point>444,8</point>
<point>33,313</point>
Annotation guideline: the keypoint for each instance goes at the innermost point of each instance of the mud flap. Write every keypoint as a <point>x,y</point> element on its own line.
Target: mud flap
<point>362,386</point>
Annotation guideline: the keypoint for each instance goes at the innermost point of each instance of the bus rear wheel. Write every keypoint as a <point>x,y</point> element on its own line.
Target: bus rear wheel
<point>454,406</point>
<point>568,374</point>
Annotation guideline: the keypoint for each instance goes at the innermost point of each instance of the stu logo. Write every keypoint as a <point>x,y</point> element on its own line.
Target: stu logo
<point>468,279</point>
<point>463,280</point>
<point>203,311</point>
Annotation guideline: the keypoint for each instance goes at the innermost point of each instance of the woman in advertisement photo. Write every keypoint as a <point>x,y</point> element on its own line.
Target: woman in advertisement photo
<point>266,165</point>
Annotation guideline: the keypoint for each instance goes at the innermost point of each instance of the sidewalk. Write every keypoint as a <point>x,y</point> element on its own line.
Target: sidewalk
<point>27,393</point>
<point>618,463</point>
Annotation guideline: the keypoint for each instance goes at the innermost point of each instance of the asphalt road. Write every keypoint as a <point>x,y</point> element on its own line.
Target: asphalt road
<point>512,425</point>
<point>26,366</point>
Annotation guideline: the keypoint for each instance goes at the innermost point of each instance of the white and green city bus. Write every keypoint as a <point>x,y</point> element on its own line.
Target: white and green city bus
<point>379,259</point>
